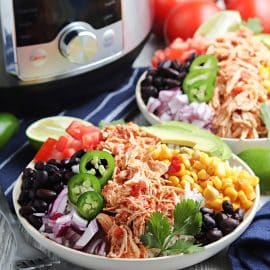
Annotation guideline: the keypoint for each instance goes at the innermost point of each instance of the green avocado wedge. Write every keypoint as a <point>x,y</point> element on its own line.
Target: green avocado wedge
<point>179,133</point>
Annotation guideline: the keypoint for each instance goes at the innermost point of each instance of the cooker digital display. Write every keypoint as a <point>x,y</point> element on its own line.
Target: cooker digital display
<point>39,21</point>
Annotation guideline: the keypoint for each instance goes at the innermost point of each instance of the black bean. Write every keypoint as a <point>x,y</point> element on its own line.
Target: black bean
<point>208,222</point>
<point>67,175</point>
<point>41,178</point>
<point>171,82</point>
<point>32,194</point>
<point>54,162</point>
<point>227,207</point>
<point>28,172</point>
<point>169,73</point>
<point>214,235</point>
<point>27,182</point>
<point>78,154</point>
<point>205,210</point>
<point>220,217</point>
<point>149,91</point>
<point>228,225</point>
<point>158,81</point>
<point>40,205</point>
<point>65,163</point>
<point>51,169</point>
<point>55,178</point>
<point>26,211</point>
<point>239,214</point>
<point>35,221</point>
<point>165,64</point>
<point>147,81</point>
<point>24,197</point>
<point>58,188</point>
<point>46,194</point>
<point>40,165</point>
<point>152,72</point>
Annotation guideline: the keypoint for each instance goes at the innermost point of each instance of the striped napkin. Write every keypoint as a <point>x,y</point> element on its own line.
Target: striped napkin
<point>108,106</point>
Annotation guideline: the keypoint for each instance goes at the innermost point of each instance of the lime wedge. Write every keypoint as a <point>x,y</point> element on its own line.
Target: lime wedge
<point>219,24</point>
<point>53,127</point>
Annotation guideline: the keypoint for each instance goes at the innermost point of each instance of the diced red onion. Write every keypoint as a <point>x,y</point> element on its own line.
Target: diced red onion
<point>52,237</point>
<point>60,203</point>
<point>101,250</point>
<point>64,219</point>
<point>152,104</point>
<point>60,229</point>
<point>165,117</point>
<point>91,230</point>
<point>78,222</point>
<point>91,247</point>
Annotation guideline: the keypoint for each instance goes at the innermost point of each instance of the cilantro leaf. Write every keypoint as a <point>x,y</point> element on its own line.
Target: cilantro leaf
<point>253,24</point>
<point>159,234</point>
<point>158,229</point>
<point>187,217</point>
<point>183,246</point>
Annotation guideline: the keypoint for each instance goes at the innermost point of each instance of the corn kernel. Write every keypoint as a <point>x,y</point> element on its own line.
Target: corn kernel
<point>210,193</point>
<point>184,183</point>
<point>155,154</point>
<point>231,193</point>
<point>217,182</point>
<point>215,204</point>
<point>165,152</point>
<point>266,85</point>
<point>236,205</point>
<point>194,176</point>
<point>204,184</point>
<point>198,165</point>
<point>198,187</point>
<point>227,182</point>
<point>186,163</point>
<point>220,170</point>
<point>254,180</point>
<point>248,189</point>
<point>244,201</point>
<point>203,175</point>
<point>174,180</point>
<point>188,178</point>
<point>264,72</point>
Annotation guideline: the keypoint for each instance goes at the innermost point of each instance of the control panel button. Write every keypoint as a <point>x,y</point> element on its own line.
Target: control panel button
<point>108,38</point>
<point>38,57</point>
<point>78,45</point>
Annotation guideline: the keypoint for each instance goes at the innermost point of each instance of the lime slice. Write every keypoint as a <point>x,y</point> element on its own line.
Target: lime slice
<point>219,24</point>
<point>53,127</point>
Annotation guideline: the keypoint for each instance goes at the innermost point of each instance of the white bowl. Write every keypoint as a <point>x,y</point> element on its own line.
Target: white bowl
<point>169,262</point>
<point>237,145</point>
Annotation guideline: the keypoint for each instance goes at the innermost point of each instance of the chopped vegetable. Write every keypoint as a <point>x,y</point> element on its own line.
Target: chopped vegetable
<point>102,123</point>
<point>167,239</point>
<point>89,204</point>
<point>81,183</point>
<point>9,125</point>
<point>98,163</point>
<point>254,24</point>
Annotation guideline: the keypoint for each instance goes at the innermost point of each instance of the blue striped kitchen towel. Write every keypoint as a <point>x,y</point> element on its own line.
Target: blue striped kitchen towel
<point>107,106</point>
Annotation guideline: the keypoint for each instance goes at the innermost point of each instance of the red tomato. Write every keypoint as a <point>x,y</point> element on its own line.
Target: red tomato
<point>62,143</point>
<point>252,9</point>
<point>74,130</point>
<point>45,151</point>
<point>186,17</point>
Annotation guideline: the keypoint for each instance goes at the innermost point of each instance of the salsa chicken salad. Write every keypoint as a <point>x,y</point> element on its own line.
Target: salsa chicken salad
<point>126,194</point>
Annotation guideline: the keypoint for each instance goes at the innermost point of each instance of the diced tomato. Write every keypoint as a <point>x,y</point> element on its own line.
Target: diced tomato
<point>75,144</point>
<point>74,130</point>
<point>44,153</point>
<point>62,143</point>
<point>56,155</point>
<point>175,165</point>
<point>68,152</point>
<point>137,188</point>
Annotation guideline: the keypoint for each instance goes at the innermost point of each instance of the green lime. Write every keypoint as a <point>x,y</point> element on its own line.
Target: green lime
<point>219,24</point>
<point>53,127</point>
<point>258,160</point>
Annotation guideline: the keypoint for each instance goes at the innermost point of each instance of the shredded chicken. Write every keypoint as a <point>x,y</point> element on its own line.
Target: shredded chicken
<point>136,190</point>
<point>238,91</point>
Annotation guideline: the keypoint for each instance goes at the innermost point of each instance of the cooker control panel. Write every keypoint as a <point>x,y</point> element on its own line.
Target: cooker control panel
<point>63,37</point>
<point>78,45</point>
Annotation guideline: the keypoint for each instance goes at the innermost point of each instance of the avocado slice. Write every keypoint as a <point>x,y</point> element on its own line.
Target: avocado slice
<point>186,134</point>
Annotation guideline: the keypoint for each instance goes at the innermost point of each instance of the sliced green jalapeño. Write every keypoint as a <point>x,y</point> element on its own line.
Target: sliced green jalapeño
<point>89,204</point>
<point>99,163</point>
<point>80,184</point>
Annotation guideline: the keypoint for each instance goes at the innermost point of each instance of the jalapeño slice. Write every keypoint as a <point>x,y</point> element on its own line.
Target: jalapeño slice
<point>89,204</point>
<point>98,163</point>
<point>205,61</point>
<point>81,183</point>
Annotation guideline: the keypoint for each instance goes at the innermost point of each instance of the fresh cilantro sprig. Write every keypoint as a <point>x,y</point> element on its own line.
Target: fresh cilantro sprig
<point>160,235</point>
<point>254,24</point>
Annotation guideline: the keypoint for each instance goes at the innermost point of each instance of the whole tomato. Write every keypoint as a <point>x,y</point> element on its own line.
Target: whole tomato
<point>183,20</point>
<point>161,10</point>
<point>251,9</point>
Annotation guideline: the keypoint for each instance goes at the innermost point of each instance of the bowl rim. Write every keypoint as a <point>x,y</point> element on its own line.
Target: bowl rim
<point>154,119</point>
<point>46,242</point>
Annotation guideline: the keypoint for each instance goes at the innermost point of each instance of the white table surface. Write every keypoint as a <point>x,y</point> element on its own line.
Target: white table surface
<point>7,244</point>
